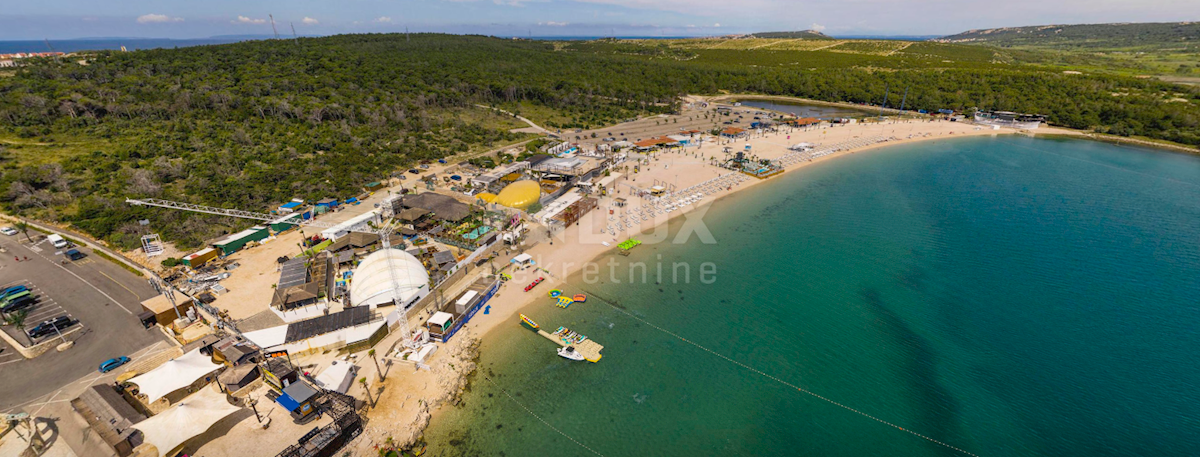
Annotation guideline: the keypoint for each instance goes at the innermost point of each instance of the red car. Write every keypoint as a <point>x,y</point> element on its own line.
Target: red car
<point>534,284</point>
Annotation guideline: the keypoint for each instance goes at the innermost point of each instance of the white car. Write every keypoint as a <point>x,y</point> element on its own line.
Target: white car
<point>8,231</point>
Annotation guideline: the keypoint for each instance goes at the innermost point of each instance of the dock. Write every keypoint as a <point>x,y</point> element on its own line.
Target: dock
<point>590,349</point>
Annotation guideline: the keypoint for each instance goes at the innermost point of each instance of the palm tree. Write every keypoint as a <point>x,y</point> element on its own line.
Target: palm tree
<point>373,359</point>
<point>23,227</point>
<point>366,389</point>
<point>17,319</point>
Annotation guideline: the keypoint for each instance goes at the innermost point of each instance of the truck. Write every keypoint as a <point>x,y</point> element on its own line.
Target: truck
<point>57,240</point>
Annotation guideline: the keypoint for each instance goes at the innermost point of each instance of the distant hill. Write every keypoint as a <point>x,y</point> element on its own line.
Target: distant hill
<point>1087,36</point>
<point>810,34</point>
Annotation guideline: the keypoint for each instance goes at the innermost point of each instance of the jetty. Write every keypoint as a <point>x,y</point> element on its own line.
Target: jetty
<point>588,348</point>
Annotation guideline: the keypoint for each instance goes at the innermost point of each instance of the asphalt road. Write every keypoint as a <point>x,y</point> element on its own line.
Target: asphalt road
<point>103,296</point>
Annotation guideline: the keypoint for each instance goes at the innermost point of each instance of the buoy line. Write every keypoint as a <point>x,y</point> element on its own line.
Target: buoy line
<point>531,413</point>
<point>786,383</point>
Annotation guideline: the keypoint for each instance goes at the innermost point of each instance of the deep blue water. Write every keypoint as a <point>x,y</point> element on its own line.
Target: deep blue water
<point>1007,296</point>
<point>131,44</point>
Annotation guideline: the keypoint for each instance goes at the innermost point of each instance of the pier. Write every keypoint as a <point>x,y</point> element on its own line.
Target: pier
<point>590,349</point>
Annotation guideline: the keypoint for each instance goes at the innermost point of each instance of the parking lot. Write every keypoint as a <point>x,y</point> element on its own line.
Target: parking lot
<point>45,307</point>
<point>103,297</point>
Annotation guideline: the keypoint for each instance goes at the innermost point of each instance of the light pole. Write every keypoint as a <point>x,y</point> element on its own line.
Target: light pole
<point>253,406</point>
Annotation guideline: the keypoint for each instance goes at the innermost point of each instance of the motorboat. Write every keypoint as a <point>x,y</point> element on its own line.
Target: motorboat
<point>569,352</point>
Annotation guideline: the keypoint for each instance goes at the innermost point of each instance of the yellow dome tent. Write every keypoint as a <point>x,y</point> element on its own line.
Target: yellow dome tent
<point>520,194</point>
<point>486,196</point>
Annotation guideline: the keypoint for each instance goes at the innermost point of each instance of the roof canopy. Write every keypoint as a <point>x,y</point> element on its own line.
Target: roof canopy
<point>520,194</point>
<point>440,318</point>
<point>337,377</point>
<point>373,279</point>
<point>174,375</point>
<point>190,417</point>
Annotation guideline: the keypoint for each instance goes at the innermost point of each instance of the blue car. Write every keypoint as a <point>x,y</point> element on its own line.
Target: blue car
<point>12,290</point>
<point>112,364</point>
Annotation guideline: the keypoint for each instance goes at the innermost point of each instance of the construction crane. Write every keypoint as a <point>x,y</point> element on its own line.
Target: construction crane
<point>273,26</point>
<point>384,233</point>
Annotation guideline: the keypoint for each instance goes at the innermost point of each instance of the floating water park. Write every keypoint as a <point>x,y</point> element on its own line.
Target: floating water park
<point>626,245</point>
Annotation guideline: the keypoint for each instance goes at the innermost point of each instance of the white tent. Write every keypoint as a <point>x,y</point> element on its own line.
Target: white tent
<point>174,375</point>
<point>338,376</point>
<point>186,419</point>
<point>378,279</point>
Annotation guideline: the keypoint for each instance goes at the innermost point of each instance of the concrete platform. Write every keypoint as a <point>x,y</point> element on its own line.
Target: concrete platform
<point>590,349</point>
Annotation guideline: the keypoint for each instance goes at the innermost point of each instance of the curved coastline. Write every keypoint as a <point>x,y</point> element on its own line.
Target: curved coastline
<point>510,301</point>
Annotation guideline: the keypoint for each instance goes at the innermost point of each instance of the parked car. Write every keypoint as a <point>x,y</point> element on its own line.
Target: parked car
<point>456,177</point>
<point>8,231</point>
<point>49,327</point>
<point>13,297</point>
<point>414,171</point>
<point>57,240</point>
<point>112,364</point>
<point>441,160</point>
<point>74,254</point>
<point>18,303</point>
<point>12,290</point>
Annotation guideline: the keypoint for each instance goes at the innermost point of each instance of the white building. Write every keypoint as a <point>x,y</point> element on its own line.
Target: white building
<point>355,224</point>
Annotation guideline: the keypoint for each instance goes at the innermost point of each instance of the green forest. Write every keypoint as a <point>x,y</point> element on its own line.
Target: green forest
<point>254,124</point>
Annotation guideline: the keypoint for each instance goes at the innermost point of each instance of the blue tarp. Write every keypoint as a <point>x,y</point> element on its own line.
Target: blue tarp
<point>287,402</point>
<point>290,205</point>
<point>351,200</point>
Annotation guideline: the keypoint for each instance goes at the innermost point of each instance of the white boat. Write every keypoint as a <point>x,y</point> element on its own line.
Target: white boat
<point>569,352</point>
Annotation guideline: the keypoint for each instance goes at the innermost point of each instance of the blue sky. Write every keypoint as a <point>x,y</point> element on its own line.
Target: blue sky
<point>61,19</point>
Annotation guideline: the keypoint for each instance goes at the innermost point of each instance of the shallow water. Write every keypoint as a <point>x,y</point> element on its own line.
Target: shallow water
<point>1007,296</point>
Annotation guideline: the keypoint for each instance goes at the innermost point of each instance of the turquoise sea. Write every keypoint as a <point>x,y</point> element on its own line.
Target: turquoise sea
<point>1007,296</point>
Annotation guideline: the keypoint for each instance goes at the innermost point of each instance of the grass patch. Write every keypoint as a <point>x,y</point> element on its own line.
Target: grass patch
<point>119,263</point>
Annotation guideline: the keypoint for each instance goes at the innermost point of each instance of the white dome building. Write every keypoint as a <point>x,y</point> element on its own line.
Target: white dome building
<point>372,284</point>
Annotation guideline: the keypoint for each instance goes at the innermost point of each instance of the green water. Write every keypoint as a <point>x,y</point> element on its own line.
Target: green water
<point>1008,296</point>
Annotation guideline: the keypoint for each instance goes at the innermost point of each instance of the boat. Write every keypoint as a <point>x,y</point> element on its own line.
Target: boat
<point>534,284</point>
<point>528,323</point>
<point>569,352</point>
<point>580,298</point>
<point>1009,119</point>
<point>569,337</point>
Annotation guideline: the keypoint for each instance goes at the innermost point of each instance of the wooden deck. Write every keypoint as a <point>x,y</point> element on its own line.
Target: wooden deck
<point>590,349</point>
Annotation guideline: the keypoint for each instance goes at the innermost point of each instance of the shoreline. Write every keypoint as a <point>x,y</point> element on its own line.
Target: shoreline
<point>1067,131</point>
<point>510,300</point>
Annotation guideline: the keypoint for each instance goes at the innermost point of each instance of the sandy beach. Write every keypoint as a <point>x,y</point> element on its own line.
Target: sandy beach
<point>583,243</point>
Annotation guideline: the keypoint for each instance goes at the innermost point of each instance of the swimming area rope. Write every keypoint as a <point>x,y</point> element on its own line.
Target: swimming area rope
<point>788,384</point>
<point>531,413</point>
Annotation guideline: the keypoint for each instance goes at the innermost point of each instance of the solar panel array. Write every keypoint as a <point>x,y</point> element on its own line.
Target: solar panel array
<point>293,273</point>
<point>306,329</point>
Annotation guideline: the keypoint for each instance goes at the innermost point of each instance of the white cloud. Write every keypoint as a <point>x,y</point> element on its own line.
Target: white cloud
<point>383,20</point>
<point>310,21</point>
<point>816,27</point>
<point>555,24</point>
<point>246,20</point>
<point>157,18</point>
<point>717,24</point>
